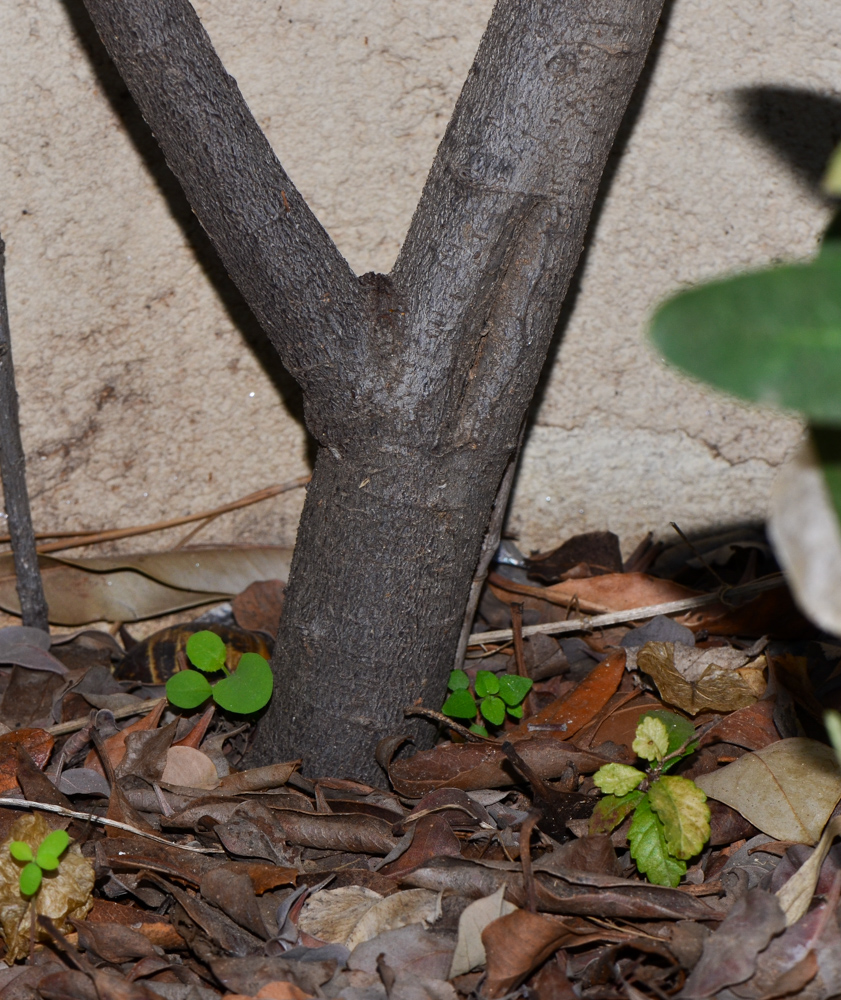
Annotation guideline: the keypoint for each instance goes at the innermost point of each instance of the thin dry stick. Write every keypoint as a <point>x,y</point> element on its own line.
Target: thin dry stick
<point>93,818</point>
<point>77,539</point>
<point>632,615</point>
<point>119,713</point>
<point>33,604</point>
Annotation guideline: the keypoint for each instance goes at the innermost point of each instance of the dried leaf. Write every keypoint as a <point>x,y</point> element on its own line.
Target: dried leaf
<point>516,944</point>
<point>190,768</point>
<point>353,914</point>
<point>259,606</point>
<point>692,679</point>
<point>788,789</point>
<point>470,951</point>
<point>67,893</point>
<point>37,743</point>
<point>796,895</point>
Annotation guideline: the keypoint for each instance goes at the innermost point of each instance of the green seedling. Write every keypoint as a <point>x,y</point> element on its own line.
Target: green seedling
<point>671,818</point>
<point>497,696</point>
<point>246,690</point>
<point>45,859</point>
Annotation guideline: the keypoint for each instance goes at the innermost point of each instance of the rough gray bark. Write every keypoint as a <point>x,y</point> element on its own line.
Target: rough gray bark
<point>416,383</point>
<point>30,588</point>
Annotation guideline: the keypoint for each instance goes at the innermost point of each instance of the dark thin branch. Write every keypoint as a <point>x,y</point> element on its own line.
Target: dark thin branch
<point>299,286</point>
<point>33,604</point>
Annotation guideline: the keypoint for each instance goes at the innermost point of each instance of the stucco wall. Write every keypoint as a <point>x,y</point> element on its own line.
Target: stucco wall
<point>148,392</point>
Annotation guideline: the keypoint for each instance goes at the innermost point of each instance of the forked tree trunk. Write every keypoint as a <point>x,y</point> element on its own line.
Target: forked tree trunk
<point>416,383</point>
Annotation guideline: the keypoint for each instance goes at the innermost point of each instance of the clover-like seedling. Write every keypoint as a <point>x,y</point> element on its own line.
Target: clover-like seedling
<point>247,689</point>
<point>45,859</point>
<point>671,818</point>
<point>498,696</point>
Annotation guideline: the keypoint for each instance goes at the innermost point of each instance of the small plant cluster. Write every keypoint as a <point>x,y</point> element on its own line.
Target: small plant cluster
<point>671,820</point>
<point>247,689</point>
<point>45,859</point>
<point>497,696</point>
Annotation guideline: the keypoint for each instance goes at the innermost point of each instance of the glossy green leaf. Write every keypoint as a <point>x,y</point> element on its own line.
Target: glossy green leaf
<point>617,779</point>
<point>773,336</point>
<point>249,687</point>
<point>648,847</point>
<point>513,688</point>
<point>493,709</point>
<point>459,681</point>
<point>479,730</point>
<point>460,705</point>
<point>188,689</point>
<point>51,848</point>
<point>515,711</point>
<point>30,879</point>
<point>20,850</point>
<point>611,810</point>
<point>682,808</point>
<point>206,651</point>
<point>486,683</point>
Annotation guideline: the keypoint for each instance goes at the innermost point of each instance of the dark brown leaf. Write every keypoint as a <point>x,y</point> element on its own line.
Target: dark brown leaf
<point>115,943</point>
<point>234,894</point>
<point>515,944</point>
<point>260,605</point>
<point>36,742</point>
<point>433,838</point>
<point>250,975</point>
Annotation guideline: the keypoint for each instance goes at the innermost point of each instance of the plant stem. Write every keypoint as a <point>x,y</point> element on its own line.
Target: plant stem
<point>30,588</point>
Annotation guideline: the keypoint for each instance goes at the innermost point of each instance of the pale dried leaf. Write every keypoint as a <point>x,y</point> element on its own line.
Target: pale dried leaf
<point>796,895</point>
<point>470,951</point>
<point>353,914</point>
<point>788,789</point>
<point>190,768</point>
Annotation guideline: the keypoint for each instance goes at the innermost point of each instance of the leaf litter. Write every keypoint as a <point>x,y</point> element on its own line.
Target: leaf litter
<point>490,867</point>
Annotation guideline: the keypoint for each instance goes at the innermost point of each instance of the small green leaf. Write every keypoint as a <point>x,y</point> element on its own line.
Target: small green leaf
<point>486,683</point>
<point>682,809</point>
<point>493,709</point>
<point>617,779</point>
<point>679,729</point>
<point>206,651</point>
<point>479,730</point>
<point>249,687</point>
<point>831,182</point>
<point>50,849</point>
<point>649,850</point>
<point>460,705</point>
<point>513,688</point>
<point>832,724</point>
<point>652,739</point>
<point>611,810</point>
<point>188,689</point>
<point>30,879</point>
<point>515,711</point>
<point>20,850</point>
<point>459,681</point>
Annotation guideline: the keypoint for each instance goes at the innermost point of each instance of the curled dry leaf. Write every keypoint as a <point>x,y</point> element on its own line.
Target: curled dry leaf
<point>516,944</point>
<point>353,914</point>
<point>63,894</point>
<point>692,679</point>
<point>788,789</point>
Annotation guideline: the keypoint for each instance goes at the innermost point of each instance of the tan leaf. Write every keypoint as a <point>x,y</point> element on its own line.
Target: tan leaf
<point>353,914</point>
<point>470,951</point>
<point>190,768</point>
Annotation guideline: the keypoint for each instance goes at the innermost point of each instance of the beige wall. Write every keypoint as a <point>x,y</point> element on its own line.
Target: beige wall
<point>142,393</point>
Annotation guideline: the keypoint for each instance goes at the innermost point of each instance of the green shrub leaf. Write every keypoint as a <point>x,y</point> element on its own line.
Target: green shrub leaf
<point>188,689</point>
<point>513,688</point>
<point>679,730</point>
<point>206,651</point>
<point>515,711</point>
<point>617,779</point>
<point>50,850</point>
<point>649,850</point>
<point>459,681</point>
<point>486,683</point>
<point>493,709</point>
<point>682,808</point>
<point>652,739</point>
<point>773,336</point>
<point>479,730</point>
<point>460,705</point>
<point>30,879</point>
<point>248,688</point>
<point>611,810</point>
<point>20,850</point>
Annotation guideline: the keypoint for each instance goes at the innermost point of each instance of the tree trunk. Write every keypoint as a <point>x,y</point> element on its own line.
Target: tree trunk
<point>415,384</point>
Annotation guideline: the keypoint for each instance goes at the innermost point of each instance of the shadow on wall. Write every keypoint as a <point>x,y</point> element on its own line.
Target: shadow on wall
<point>801,126</point>
<point>144,142</point>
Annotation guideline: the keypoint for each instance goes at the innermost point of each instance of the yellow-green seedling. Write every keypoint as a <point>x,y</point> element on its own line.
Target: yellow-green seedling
<point>245,690</point>
<point>45,859</point>
<point>497,696</point>
<point>671,818</point>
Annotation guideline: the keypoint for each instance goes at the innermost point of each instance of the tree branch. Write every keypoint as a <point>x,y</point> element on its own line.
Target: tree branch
<point>500,225</point>
<point>290,272</point>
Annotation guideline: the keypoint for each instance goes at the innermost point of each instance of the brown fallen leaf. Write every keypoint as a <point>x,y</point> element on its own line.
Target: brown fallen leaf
<point>470,949</point>
<point>37,743</point>
<point>515,944</point>
<point>115,746</point>
<point>260,605</point>
<point>751,727</point>
<point>433,838</point>
<point>113,942</point>
<point>693,679</point>
<point>189,768</point>
<point>353,914</point>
